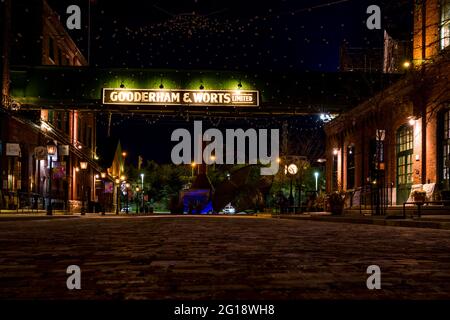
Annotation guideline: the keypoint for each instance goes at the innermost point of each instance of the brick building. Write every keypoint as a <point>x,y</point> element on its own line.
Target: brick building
<point>31,39</point>
<point>401,136</point>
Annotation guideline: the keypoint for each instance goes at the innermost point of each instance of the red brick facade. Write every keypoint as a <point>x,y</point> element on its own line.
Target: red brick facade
<point>416,101</point>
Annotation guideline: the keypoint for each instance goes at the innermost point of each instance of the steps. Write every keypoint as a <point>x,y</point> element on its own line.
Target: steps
<point>398,210</point>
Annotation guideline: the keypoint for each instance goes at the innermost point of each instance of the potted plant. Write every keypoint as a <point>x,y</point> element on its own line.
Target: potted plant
<point>336,202</point>
<point>419,195</point>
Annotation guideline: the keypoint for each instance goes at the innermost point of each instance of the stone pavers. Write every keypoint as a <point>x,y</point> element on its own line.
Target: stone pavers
<point>219,258</point>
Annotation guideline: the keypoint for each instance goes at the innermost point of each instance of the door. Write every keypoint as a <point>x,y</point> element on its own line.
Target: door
<point>404,162</point>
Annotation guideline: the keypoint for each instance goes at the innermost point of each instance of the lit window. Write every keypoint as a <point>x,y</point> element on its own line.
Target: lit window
<point>445,23</point>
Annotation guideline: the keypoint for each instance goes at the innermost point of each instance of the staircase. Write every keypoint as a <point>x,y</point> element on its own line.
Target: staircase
<point>398,210</point>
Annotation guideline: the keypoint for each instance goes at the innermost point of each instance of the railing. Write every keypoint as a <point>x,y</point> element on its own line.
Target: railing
<point>375,197</point>
<point>29,202</point>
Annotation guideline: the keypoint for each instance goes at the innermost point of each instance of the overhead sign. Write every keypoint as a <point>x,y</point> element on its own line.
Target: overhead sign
<point>238,98</point>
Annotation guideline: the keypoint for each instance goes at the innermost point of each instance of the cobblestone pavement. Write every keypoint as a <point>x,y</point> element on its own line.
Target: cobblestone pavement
<point>220,258</point>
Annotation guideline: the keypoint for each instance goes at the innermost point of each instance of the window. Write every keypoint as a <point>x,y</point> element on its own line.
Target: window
<point>445,23</point>
<point>51,49</point>
<point>404,155</point>
<point>350,167</point>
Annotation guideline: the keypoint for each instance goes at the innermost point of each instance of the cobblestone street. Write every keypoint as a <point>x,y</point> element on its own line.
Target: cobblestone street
<point>219,258</point>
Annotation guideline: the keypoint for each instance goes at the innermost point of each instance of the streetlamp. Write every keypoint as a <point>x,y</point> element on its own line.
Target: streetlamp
<point>193,166</point>
<point>213,159</point>
<point>127,185</point>
<point>51,151</point>
<point>137,199</point>
<point>142,185</point>
<point>83,166</point>
<point>292,169</point>
<point>103,175</point>
<point>316,175</point>
<point>117,181</point>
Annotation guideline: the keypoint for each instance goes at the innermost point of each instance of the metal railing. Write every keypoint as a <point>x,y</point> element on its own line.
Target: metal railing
<point>29,202</point>
<point>377,198</point>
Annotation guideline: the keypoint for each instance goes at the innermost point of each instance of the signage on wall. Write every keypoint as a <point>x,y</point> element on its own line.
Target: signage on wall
<point>40,153</point>
<point>59,170</point>
<point>13,149</point>
<point>63,150</point>
<point>109,187</point>
<point>238,98</point>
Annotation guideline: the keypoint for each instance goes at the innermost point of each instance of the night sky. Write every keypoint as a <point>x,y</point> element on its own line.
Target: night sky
<point>251,35</point>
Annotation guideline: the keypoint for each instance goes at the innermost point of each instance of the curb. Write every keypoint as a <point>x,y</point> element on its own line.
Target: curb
<point>30,218</point>
<point>379,222</point>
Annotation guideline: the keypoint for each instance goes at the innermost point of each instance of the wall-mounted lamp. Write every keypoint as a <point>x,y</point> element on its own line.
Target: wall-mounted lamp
<point>417,157</point>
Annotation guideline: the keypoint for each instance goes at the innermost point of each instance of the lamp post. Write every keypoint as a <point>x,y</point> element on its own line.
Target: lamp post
<point>127,185</point>
<point>117,194</point>
<point>193,166</point>
<point>51,151</point>
<point>316,175</point>
<point>103,175</point>
<point>137,199</point>
<point>142,190</point>
<point>292,169</point>
<point>83,166</point>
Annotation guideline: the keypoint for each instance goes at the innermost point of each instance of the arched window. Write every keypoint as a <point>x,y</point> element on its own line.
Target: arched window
<point>404,144</point>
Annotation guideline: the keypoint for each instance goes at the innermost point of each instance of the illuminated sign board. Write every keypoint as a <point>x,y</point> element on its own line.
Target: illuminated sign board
<point>238,98</point>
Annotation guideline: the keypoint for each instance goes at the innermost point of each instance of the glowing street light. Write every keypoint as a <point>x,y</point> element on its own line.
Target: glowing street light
<point>83,166</point>
<point>51,151</point>
<point>316,175</point>
<point>142,195</point>
<point>193,166</point>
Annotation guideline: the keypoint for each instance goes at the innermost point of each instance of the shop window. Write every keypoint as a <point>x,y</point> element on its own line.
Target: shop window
<point>350,167</point>
<point>445,23</point>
